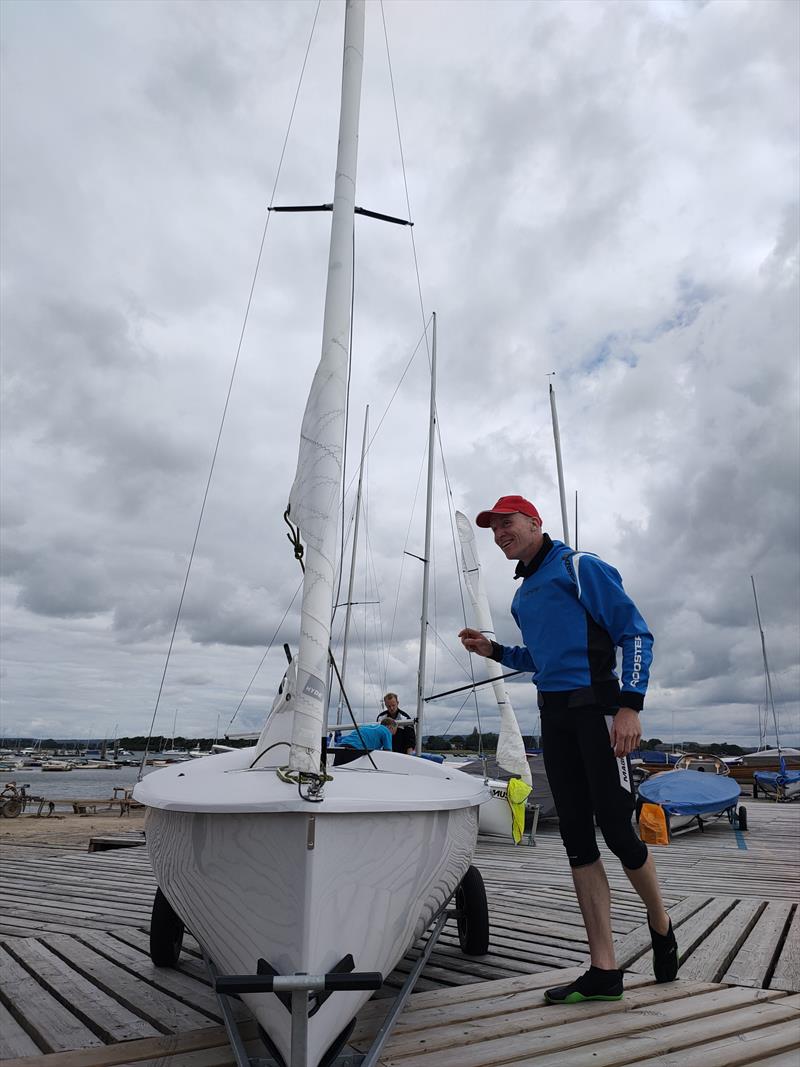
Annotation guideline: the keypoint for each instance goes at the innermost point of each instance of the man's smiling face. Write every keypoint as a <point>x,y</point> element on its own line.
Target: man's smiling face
<point>519,536</point>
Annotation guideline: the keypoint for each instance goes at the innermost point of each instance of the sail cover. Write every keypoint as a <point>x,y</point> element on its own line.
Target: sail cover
<point>510,747</point>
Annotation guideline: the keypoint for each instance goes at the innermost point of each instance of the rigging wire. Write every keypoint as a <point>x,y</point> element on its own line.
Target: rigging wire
<point>409,213</point>
<point>269,648</point>
<point>453,535</point>
<point>403,557</point>
<point>228,394</point>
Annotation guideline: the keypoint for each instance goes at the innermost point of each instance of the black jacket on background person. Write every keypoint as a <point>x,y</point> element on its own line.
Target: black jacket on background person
<point>406,736</point>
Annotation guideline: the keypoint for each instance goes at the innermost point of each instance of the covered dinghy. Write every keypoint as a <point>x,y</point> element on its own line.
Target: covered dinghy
<point>692,797</point>
<point>782,784</point>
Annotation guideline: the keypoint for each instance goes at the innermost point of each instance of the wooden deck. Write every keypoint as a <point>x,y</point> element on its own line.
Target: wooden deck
<point>77,986</point>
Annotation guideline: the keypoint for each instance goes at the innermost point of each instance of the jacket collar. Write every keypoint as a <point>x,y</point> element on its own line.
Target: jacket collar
<point>525,570</point>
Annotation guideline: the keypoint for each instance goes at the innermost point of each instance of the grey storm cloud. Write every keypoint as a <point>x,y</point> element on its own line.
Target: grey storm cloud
<point>601,190</point>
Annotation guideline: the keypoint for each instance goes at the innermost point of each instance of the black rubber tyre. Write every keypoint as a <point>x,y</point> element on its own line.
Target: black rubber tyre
<point>166,933</point>
<point>742,813</point>
<point>472,914</point>
<point>12,808</point>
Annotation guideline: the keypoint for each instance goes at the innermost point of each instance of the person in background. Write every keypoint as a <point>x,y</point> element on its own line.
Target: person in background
<point>371,736</point>
<point>405,738</point>
<point>574,613</point>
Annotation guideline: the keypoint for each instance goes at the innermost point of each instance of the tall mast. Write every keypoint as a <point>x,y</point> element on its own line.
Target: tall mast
<point>349,611</point>
<point>316,493</point>
<point>766,668</point>
<point>423,632</point>
<point>561,491</point>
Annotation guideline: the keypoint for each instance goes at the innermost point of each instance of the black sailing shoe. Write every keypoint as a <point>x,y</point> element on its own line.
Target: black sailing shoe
<point>665,954</point>
<point>593,985</point>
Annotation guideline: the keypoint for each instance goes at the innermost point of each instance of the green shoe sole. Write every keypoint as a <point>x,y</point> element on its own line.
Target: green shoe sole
<point>579,998</point>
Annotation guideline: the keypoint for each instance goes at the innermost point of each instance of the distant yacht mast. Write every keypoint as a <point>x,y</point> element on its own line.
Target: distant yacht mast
<point>557,440</point>
<point>767,675</point>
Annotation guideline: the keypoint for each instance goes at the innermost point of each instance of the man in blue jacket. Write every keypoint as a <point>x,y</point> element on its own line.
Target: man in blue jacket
<point>574,613</point>
<point>370,736</point>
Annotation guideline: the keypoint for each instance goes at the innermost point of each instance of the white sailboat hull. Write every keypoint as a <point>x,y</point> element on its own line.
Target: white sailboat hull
<point>495,815</point>
<point>302,885</point>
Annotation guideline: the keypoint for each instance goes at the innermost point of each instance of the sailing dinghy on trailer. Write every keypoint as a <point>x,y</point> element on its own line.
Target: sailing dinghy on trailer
<point>691,798</point>
<point>306,884</point>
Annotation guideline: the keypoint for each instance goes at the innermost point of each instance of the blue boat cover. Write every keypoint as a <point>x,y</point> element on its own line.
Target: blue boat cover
<point>776,778</point>
<point>690,792</point>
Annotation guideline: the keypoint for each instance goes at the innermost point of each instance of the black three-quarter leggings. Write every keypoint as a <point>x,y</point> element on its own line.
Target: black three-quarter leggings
<point>588,780</point>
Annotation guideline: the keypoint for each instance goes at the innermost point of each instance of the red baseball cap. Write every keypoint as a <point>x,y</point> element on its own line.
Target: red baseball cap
<point>508,505</point>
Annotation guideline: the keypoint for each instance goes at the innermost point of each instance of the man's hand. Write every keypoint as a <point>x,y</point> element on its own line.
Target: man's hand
<point>626,732</point>
<point>474,641</point>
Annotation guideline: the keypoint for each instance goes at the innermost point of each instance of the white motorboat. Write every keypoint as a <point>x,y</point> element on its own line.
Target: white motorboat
<point>277,863</point>
<point>57,765</point>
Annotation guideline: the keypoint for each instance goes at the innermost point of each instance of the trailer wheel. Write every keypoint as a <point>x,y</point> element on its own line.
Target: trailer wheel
<point>166,933</point>
<point>742,813</point>
<point>472,914</point>
<point>12,808</point>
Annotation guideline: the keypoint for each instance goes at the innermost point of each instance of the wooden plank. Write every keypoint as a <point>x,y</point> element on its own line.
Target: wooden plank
<point>164,1012</point>
<point>211,1057</point>
<point>441,1028</point>
<point>155,1050</point>
<point>780,1059</point>
<point>711,958</point>
<point>194,991</point>
<point>74,906</point>
<point>101,1013</point>
<point>787,970</point>
<point>14,1041</point>
<point>604,1039</point>
<point>768,1046</point>
<point>639,942</point>
<point>48,1022</point>
<point>694,930</point>
<point>751,964</point>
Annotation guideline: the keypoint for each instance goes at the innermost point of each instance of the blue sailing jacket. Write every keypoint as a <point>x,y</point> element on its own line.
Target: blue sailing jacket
<point>374,736</point>
<point>573,614</point>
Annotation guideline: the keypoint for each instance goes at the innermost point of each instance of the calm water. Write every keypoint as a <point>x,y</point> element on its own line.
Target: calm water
<point>77,783</point>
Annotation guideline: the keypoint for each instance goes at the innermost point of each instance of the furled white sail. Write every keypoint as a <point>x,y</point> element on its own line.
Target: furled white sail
<point>315,494</point>
<point>510,748</point>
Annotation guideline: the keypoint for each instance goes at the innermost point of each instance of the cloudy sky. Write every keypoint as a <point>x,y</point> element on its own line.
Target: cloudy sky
<point>604,190</point>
